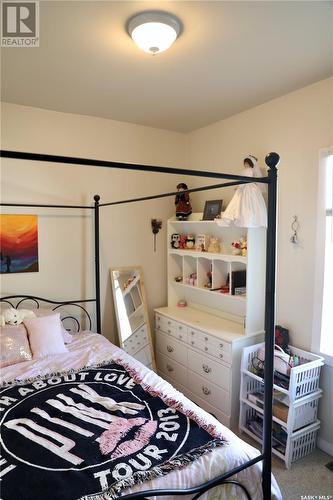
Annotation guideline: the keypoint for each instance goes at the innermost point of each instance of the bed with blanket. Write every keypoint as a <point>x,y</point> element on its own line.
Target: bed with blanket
<point>94,423</point>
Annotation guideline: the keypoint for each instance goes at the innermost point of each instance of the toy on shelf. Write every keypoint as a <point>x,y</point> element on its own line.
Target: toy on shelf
<point>192,279</point>
<point>214,245</point>
<point>201,242</point>
<point>182,202</point>
<point>175,240</point>
<point>182,242</point>
<point>247,207</point>
<point>190,241</point>
<point>236,247</point>
<point>243,246</point>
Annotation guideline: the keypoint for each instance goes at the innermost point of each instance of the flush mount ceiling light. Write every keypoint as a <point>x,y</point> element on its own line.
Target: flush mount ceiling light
<point>154,32</point>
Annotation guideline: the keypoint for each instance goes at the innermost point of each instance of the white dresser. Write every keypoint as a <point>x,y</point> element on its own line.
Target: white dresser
<point>200,353</point>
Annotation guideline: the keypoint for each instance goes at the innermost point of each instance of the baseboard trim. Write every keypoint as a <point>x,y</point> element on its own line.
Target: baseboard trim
<point>325,446</point>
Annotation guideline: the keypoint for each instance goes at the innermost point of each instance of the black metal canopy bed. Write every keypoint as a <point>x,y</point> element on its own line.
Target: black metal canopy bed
<point>225,180</point>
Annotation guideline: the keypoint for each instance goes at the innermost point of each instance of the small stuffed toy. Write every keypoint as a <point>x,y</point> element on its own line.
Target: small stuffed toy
<point>182,202</point>
<point>15,316</point>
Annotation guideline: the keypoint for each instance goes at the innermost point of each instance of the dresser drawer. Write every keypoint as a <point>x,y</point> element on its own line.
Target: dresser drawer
<point>221,345</point>
<point>198,336</point>
<point>167,325</point>
<point>171,368</point>
<point>171,347</point>
<point>180,332</point>
<point>209,392</point>
<point>208,369</point>
<point>209,348</point>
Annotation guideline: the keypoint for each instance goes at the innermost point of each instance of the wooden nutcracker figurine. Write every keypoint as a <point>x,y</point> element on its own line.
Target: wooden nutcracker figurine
<point>182,202</point>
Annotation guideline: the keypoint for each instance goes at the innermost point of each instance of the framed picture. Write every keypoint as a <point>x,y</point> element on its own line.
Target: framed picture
<point>212,209</point>
<point>19,243</point>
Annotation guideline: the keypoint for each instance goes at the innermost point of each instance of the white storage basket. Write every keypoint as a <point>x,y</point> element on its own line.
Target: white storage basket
<point>303,412</point>
<point>304,379</point>
<point>298,445</point>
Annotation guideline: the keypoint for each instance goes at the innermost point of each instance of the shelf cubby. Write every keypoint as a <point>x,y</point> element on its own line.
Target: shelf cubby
<point>204,268</point>
<point>189,268</point>
<point>175,266</point>
<point>221,272</point>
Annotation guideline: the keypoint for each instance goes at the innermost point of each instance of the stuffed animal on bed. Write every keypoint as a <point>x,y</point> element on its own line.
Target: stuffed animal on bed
<point>15,316</point>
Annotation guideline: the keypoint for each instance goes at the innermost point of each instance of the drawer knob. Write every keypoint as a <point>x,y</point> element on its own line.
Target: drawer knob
<point>206,348</point>
<point>206,338</point>
<point>192,333</point>
<point>169,322</point>
<point>192,342</point>
<point>180,336</point>
<point>180,328</point>
<point>205,390</point>
<point>206,368</point>
<point>221,345</point>
<point>169,331</point>
<point>169,368</point>
<point>169,348</point>
<point>221,355</point>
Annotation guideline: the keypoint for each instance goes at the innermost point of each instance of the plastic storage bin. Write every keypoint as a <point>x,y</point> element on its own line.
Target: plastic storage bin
<point>298,444</point>
<point>304,379</point>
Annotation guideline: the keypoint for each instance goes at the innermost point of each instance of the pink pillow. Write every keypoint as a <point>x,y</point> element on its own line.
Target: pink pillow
<point>48,312</point>
<point>14,345</point>
<point>45,335</point>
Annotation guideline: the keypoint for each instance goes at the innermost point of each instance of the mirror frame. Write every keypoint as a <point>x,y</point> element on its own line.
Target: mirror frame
<point>145,307</point>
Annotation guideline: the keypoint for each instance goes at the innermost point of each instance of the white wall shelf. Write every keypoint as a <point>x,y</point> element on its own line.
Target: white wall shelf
<point>183,263</point>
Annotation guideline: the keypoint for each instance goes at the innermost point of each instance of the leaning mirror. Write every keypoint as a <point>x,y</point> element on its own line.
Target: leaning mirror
<point>132,315</point>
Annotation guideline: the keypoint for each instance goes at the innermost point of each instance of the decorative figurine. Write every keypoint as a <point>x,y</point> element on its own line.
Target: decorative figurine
<point>214,245</point>
<point>182,242</point>
<point>243,246</point>
<point>247,207</point>
<point>175,240</point>
<point>201,243</point>
<point>236,247</point>
<point>190,241</point>
<point>182,202</point>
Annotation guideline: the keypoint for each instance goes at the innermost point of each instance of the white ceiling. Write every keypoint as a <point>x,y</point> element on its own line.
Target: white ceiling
<point>231,56</point>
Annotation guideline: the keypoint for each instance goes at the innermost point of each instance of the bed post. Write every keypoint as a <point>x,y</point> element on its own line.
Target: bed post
<point>272,160</point>
<point>97,269</point>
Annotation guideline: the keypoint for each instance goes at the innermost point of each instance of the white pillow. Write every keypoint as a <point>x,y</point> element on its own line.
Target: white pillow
<point>45,335</point>
<point>48,312</point>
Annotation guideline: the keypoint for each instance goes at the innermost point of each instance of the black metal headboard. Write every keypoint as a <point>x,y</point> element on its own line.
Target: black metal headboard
<point>17,301</point>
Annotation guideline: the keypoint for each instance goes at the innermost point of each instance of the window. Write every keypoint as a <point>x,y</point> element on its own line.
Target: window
<point>323,312</point>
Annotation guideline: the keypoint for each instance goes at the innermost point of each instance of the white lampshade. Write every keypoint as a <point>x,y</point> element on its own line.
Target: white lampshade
<point>154,32</point>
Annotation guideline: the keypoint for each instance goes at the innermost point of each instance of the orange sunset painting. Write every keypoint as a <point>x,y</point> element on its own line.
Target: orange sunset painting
<point>19,243</point>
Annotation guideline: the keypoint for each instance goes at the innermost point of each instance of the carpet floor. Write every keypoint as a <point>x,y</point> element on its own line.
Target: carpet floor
<point>307,479</point>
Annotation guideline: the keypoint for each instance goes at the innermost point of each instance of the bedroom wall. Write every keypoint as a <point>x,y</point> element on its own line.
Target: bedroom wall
<point>65,236</point>
<point>297,126</point>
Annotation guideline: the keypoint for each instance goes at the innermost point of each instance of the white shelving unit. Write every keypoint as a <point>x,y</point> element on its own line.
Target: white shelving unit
<point>182,263</point>
<point>199,347</point>
<point>295,407</point>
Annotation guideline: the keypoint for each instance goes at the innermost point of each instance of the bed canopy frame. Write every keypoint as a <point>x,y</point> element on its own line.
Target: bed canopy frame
<point>272,161</point>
